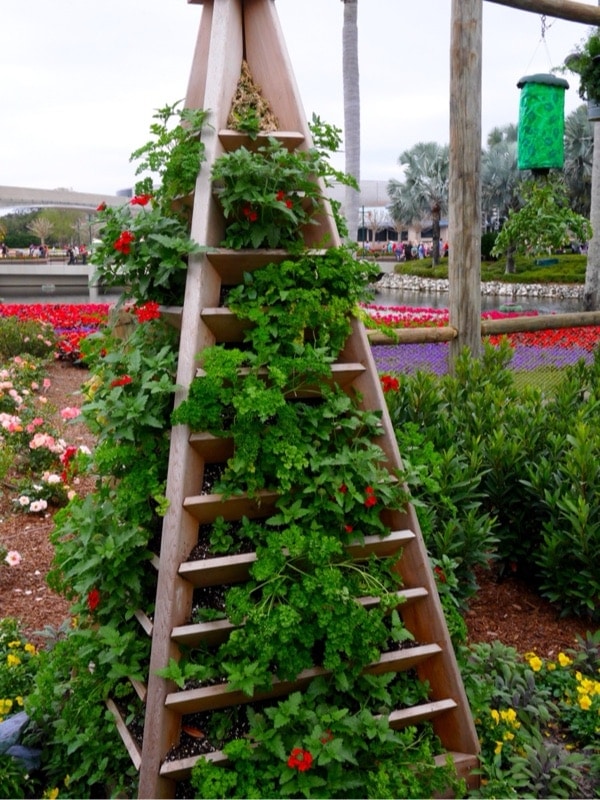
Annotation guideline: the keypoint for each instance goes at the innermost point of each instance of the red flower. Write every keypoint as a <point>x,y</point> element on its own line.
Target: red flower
<point>441,575</point>
<point>370,499</point>
<point>389,384</point>
<point>140,200</point>
<point>299,759</point>
<point>101,207</point>
<point>280,195</point>
<point>148,311</point>
<point>327,737</point>
<point>249,213</point>
<point>348,528</point>
<point>343,488</point>
<point>122,381</point>
<point>93,599</point>
<point>123,243</point>
<point>289,203</point>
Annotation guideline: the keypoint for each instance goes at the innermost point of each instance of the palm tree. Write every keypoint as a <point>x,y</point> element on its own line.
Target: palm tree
<point>351,112</point>
<point>424,192</point>
<point>501,179</point>
<point>579,150</point>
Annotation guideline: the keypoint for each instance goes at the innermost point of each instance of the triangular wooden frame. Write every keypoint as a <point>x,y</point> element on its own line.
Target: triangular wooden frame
<point>232,30</point>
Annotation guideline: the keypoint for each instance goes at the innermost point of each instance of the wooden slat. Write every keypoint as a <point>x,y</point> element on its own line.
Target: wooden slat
<point>214,571</point>
<point>232,140</point>
<point>217,631</point>
<point>415,714</point>
<point>224,325</point>
<point>342,375</point>
<point>231,264</point>
<point>206,507</point>
<point>236,568</point>
<point>214,449</point>
<point>144,621</point>
<point>209,698</point>
<point>128,740</point>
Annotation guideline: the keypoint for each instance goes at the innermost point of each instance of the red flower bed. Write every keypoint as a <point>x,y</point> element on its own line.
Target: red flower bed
<point>71,322</point>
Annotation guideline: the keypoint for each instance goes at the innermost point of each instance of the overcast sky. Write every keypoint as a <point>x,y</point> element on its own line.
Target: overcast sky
<point>80,80</point>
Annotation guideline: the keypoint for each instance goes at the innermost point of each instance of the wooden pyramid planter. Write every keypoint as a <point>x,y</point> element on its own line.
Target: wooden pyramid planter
<point>233,31</point>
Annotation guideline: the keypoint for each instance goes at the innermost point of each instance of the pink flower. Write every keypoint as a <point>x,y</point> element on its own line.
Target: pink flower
<point>13,558</point>
<point>70,412</point>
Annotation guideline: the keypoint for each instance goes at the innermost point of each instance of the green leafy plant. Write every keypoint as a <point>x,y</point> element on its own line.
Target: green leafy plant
<point>544,223</point>
<point>325,743</point>
<point>146,242</point>
<point>584,62</point>
<point>268,195</point>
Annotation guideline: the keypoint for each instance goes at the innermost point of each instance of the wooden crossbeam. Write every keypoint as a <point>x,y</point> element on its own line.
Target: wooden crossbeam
<point>562,9</point>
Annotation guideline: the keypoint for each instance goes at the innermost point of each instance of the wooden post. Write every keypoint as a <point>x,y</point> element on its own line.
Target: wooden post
<point>464,263</point>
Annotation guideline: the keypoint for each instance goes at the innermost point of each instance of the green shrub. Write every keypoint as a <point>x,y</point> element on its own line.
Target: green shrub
<point>18,337</point>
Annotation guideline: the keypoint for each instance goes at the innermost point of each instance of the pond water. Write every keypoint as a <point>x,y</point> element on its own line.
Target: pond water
<point>543,305</point>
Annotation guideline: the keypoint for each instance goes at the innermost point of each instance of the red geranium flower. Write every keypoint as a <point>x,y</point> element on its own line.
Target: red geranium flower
<point>122,381</point>
<point>148,311</point>
<point>280,195</point>
<point>370,499</point>
<point>300,759</point>
<point>389,384</point>
<point>140,200</point>
<point>101,207</point>
<point>123,243</point>
<point>93,599</point>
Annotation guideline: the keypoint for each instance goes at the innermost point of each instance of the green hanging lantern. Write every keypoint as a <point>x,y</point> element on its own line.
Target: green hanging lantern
<point>541,129</point>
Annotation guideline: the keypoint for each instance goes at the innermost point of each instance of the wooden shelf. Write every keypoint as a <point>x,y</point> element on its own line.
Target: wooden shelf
<point>342,375</point>
<point>233,140</point>
<point>224,325</point>
<point>217,631</point>
<point>206,507</point>
<point>214,449</point>
<point>221,695</point>
<point>236,568</point>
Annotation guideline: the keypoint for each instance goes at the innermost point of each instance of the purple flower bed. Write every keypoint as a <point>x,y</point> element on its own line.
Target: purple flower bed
<point>433,357</point>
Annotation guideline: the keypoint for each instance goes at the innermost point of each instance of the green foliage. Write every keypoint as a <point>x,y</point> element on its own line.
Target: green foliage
<point>145,244</point>
<point>582,63</point>
<point>174,156</point>
<point>506,473</point>
<point>26,337</point>
<point>544,223</point>
<point>324,743</point>
<point>267,195</point>
<point>518,705</point>
<point>569,269</point>
<point>81,749</point>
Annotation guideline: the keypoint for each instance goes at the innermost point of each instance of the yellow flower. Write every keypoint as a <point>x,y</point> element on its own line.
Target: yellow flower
<point>508,736</point>
<point>564,660</point>
<point>536,663</point>
<point>498,749</point>
<point>51,794</point>
<point>495,715</point>
<point>551,666</point>
<point>510,717</point>
<point>585,702</point>
<point>13,660</point>
<point>19,700</point>
<point>5,706</point>
<point>30,648</point>
<point>14,644</point>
